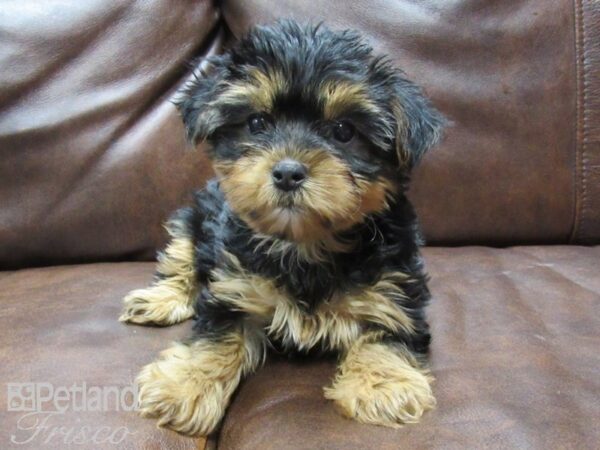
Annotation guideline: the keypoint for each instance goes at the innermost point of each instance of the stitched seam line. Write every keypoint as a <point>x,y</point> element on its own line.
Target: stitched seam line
<point>585,207</point>
<point>578,175</point>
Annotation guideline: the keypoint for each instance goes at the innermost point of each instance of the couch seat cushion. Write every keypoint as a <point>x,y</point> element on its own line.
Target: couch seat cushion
<point>58,325</point>
<point>516,354</point>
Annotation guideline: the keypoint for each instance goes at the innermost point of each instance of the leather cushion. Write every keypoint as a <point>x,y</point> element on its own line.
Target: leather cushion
<point>59,325</point>
<point>516,334</point>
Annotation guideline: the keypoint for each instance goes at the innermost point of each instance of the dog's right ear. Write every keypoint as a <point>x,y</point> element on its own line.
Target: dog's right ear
<point>419,124</point>
<point>197,101</point>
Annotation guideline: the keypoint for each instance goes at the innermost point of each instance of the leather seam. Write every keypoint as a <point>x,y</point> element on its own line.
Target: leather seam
<point>585,128</point>
<point>580,105</point>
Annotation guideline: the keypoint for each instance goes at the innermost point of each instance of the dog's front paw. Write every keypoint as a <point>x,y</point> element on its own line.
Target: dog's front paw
<point>381,389</point>
<point>158,305</point>
<point>180,394</point>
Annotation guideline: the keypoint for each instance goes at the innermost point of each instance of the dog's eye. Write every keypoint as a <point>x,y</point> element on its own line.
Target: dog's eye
<point>343,131</point>
<point>259,122</point>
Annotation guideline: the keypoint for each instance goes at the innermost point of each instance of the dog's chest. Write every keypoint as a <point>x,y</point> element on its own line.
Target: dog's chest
<point>330,325</point>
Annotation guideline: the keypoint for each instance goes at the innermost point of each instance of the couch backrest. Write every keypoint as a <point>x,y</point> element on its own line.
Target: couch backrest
<point>93,157</point>
<point>520,80</point>
<point>92,153</point>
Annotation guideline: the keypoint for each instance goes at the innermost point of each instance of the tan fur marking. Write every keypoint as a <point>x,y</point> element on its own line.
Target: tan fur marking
<point>339,96</point>
<point>189,387</point>
<point>381,384</point>
<point>334,324</point>
<point>260,91</point>
<point>168,300</point>
<point>375,194</point>
<point>327,198</point>
<point>376,304</point>
<point>331,200</point>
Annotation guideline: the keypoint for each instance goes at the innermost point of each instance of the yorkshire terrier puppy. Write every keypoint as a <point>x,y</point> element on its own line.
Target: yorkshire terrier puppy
<point>305,241</point>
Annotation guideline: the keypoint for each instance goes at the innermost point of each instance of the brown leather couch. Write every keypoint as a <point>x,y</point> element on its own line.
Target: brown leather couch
<point>93,159</point>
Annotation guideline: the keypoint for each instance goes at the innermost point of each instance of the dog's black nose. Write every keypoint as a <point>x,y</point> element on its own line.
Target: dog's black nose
<point>288,174</point>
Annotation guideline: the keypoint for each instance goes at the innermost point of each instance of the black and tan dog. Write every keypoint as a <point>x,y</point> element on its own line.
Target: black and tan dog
<point>305,241</point>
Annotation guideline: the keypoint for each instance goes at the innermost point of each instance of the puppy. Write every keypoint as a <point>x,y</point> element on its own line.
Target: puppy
<point>305,241</point>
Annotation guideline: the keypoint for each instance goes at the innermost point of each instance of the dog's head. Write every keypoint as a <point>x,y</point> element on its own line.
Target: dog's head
<point>310,131</point>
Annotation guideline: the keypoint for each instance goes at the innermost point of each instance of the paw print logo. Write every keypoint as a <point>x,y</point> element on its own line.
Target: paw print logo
<point>21,397</point>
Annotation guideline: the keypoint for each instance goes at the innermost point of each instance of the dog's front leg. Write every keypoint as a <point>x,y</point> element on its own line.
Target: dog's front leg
<point>170,298</point>
<point>381,382</point>
<point>189,387</point>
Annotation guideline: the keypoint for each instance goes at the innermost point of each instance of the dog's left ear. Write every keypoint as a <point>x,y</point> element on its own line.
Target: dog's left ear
<point>197,100</point>
<point>419,125</point>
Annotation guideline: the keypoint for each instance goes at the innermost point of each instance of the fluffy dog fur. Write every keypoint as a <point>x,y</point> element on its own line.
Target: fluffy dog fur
<point>330,266</point>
